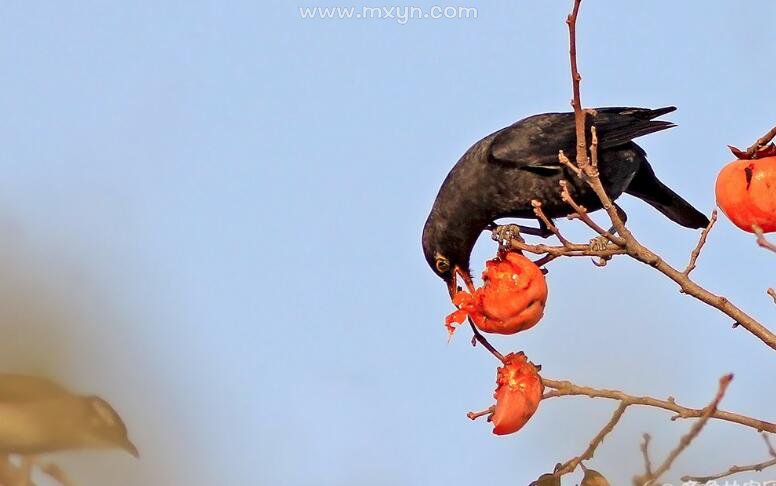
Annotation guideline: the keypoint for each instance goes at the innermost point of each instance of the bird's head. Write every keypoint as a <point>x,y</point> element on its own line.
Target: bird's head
<point>104,428</point>
<point>447,250</point>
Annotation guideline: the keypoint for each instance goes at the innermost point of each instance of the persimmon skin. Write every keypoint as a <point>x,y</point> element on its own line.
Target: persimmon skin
<point>518,392</point>
<point>513,297</point>
<point>746,193</point>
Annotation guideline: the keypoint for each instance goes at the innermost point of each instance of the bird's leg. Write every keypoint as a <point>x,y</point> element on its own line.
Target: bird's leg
<point>599,243</point>
<point>623,216</point>
<point>505,233</point>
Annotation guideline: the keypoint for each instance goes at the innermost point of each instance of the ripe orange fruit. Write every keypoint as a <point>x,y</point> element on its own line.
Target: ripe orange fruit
<point>746,193</point>
<point>518,393</point>
<point>510,300</point>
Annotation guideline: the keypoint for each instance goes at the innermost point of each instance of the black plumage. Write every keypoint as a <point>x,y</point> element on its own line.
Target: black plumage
<point>500,175</point>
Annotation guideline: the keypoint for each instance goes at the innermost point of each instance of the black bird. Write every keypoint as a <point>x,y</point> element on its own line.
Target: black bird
<point>500,175</point>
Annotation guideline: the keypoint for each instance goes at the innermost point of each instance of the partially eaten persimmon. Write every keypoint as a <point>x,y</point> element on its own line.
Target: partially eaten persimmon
<point>510,300</point>
<point>519,390</point>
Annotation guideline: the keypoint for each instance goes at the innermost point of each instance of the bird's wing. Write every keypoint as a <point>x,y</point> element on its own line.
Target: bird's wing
<point>23,388</point>
<point>534,142</point>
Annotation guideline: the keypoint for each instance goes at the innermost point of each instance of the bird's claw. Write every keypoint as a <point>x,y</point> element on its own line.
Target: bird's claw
<point>504,234</point>
<point>599,243</point>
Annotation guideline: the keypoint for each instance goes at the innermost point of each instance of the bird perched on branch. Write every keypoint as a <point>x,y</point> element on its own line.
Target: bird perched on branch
<point>500,175</point>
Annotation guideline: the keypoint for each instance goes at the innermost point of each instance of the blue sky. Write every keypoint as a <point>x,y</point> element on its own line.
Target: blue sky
<point>212,217</point>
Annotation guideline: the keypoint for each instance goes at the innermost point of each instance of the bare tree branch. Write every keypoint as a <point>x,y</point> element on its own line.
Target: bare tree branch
<point>761,240</point>
<point>624,238</point>
<point>737,469</point>
<point>576,101</point>
<point>488,411</point>
<point>478,337</point>
<point>702,241</point>
<point>567,388</point>
<point>537,205</point>
<point>761,142</point>
<point>572,464</point>
<point>686,439</point>
<point>645,454</point>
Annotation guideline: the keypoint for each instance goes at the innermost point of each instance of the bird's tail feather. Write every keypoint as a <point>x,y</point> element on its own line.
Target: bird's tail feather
<point>661,111</point>
<point>618,126</point>
<point>647,187</point>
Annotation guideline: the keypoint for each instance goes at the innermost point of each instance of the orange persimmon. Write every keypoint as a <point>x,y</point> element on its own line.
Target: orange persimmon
<point>746,191</point>
<point>511,299</point>
<point>518,393</point>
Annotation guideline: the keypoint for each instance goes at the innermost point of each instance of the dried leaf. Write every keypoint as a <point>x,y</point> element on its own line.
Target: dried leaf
<point>547,479</point>
<point>593,478</point>
<point>768,150</point>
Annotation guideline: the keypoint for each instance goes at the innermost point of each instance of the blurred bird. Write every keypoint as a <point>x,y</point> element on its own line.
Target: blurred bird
<point>24,388</point>
<point>38,415</point>
<point>61,423</point>
<point>500,175</point>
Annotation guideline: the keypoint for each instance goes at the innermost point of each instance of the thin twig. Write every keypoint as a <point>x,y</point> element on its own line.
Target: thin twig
<point>544,261</point>
<point>476,415</point>
<point>565,161</point>
<point>478,337</point>
<point>733,470</point>
<point>576,101</point>
<point>761,240</point>
<point>572,250</point>
<point>580,212</point>
<point>702,241</point>
<point>686,439</point>
<point>567,388</point>
<point>772,293</point>
<point>768,444</point>
<point>537,207</point>
<point>645,454</point>
<point>571,465</point>
<point>761,142</point>
<point>737,469</point>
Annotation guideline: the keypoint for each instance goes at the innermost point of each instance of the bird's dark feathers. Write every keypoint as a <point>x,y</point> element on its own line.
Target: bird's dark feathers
<point>503,173</point>
<point>533,143</point>
<point>646,186</point>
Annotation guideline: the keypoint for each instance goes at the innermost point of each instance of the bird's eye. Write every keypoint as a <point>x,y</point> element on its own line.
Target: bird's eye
<point>442,265</point>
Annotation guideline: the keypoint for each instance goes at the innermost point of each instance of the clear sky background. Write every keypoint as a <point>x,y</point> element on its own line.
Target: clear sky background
<point>211,216</point>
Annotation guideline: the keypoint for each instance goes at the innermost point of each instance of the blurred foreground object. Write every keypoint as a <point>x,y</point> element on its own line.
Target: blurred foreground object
<point>23,388</point>
<point>38,416</point>
<point>61,423</point>
<point>593,478</point>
